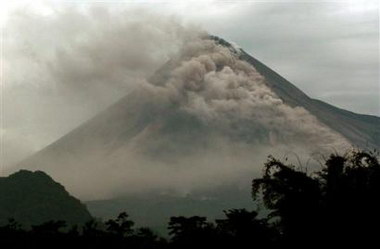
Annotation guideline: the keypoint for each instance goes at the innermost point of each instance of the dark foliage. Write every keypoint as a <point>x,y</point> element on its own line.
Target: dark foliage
<point>121,226</point>
<point>242,227</point>
<point>338,206</point>
<point>193,232</point>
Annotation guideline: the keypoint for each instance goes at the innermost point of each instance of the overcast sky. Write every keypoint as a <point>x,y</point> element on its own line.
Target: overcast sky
<point>329,49</point>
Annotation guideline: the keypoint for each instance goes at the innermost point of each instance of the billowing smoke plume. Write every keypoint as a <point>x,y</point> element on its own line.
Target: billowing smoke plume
<point>210,83</point>
<point>64,66</point>
<point>203,120</point>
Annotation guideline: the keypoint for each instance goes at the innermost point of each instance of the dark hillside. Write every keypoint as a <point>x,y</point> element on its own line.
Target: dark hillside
<point>34,197</point>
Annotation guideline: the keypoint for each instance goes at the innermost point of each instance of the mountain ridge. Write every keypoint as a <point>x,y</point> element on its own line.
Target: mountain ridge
<point>32,198</point>
<point>355,125</point>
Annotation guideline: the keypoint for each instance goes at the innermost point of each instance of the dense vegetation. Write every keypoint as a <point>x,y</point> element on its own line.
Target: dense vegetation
<point>337,206</point>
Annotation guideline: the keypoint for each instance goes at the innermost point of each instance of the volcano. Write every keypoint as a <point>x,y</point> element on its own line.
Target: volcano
<point>205,120</point>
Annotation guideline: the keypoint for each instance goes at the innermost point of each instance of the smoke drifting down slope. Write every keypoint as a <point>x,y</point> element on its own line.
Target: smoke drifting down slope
<point>205,119</point>
<point>211,84</point>
<point>62,68</point>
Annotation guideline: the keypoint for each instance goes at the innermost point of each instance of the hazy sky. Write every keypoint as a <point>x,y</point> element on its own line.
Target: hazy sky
<point>329,49</point>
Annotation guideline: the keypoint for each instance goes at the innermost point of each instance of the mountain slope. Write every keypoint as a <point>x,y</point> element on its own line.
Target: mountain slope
<point>202,120</point>
<point>205,120</point>
<point>361,130</point>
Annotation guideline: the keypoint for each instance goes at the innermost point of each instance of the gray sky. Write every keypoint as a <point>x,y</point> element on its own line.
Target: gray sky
<point>329,49</point>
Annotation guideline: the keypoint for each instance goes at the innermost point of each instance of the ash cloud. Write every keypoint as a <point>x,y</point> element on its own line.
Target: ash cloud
<point>62,68</point>
<point>202,120</point>
<point>208,81</point>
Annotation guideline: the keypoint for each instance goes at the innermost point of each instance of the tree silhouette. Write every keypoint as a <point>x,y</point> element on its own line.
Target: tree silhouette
<point>49,227</point>
<point>146,238</point>
<point>351,187</point>
<point>121,226</point>
<point>242,227</point>
<point>12,225</point>
<point>191,232</point>
<point>339,205</point>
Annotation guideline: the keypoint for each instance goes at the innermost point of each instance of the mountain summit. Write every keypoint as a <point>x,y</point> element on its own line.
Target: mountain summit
<point>361,130</point>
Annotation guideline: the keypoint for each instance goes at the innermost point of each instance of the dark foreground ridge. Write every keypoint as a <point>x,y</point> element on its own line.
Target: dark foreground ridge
<point>337,206</point>
<point>33,198</point>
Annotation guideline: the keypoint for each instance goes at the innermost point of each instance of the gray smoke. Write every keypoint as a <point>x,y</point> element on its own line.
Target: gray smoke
<point>209,82</point>
<point>205,117</point>
<point>63,68</point>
